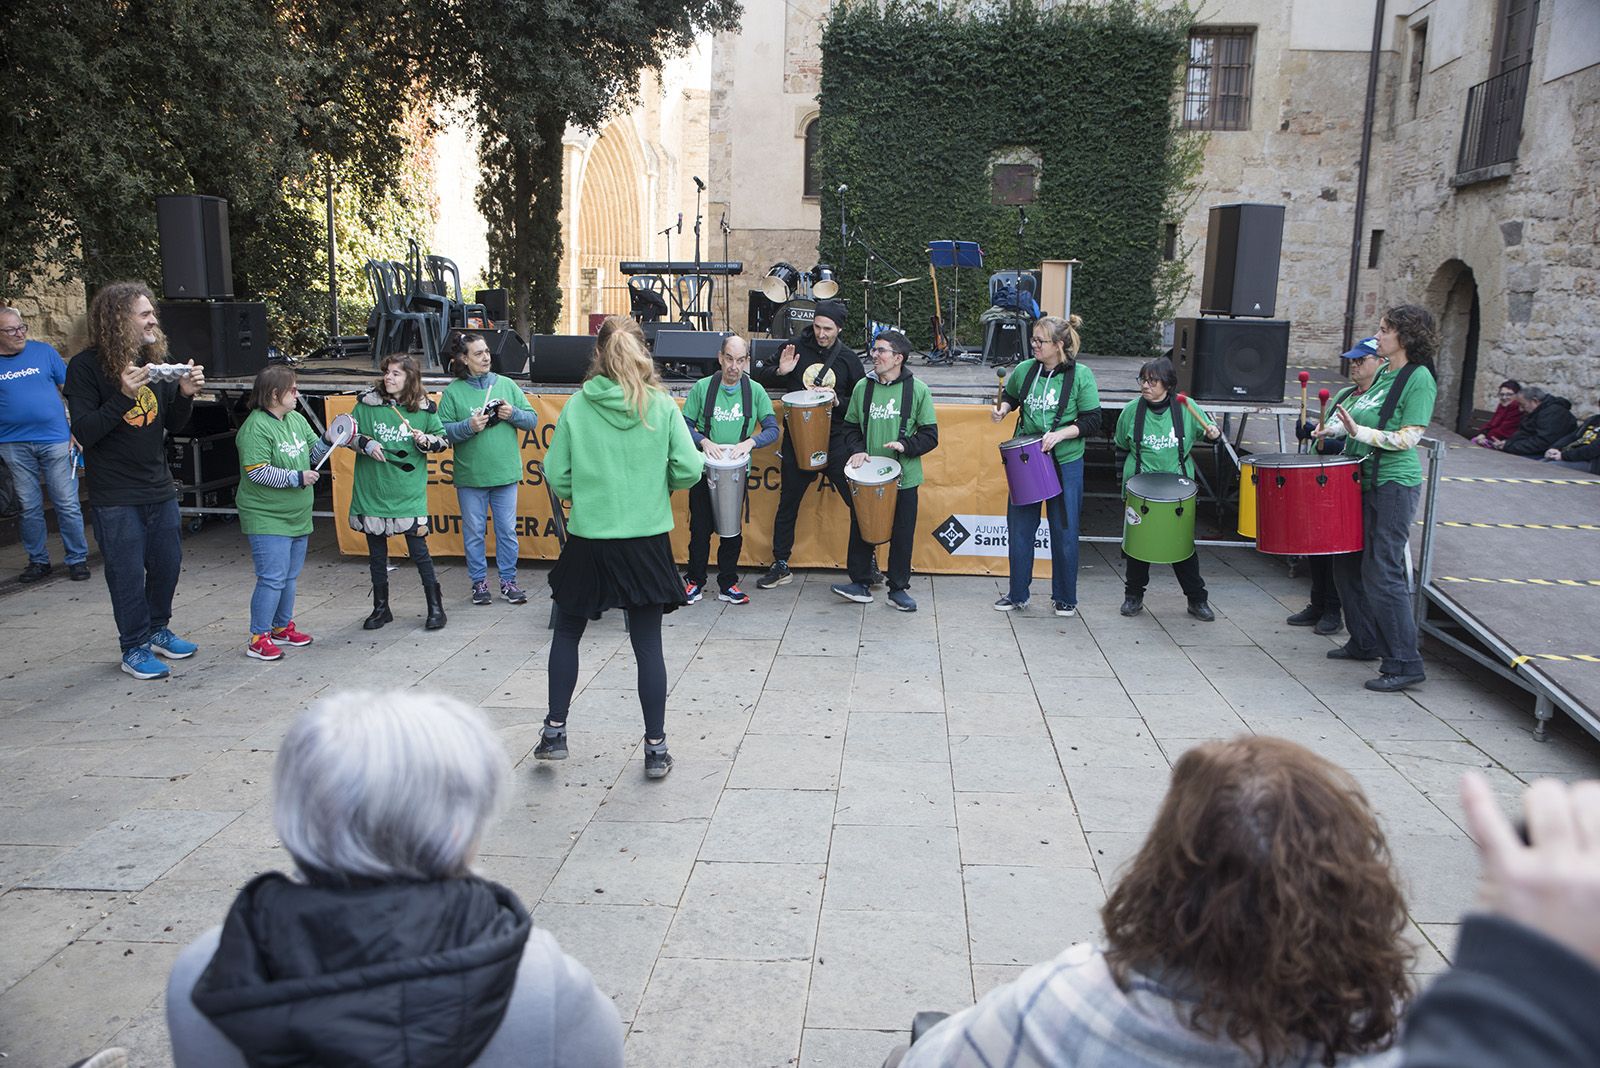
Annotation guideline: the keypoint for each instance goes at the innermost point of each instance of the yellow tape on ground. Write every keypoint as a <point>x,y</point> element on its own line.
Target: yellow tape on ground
<point>1536,481</point>
<point>1516,526</point>
<point>1524,582</point>
<point>1587,658</point>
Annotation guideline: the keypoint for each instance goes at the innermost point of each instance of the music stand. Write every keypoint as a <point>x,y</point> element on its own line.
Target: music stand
<point>957,254</point>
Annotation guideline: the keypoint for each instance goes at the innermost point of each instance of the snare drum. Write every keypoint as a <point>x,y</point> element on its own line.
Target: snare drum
<point>809,415</point>
<point>1307,504</point>
<point>1158,517</point>
<point>874,488</point>
<point>1031,473</point>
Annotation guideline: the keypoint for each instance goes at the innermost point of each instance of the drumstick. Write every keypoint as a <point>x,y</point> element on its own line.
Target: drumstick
<point>1000,389</point>
<point>1184,400</point>
<point>1305,376</point>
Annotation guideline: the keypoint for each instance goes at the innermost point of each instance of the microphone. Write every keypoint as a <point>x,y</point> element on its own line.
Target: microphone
<point>680,222</point>
<point>724,224</point>
<point>843,189</point>
<point>701,184</point>
<point>1022,212</point>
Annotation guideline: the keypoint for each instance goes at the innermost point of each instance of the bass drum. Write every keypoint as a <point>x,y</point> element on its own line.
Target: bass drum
<point>781,282</point>
<point>793,318</point>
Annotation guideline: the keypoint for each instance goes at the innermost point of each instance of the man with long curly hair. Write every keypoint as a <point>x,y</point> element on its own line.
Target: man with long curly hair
<point>124,397</point>
<point>1259,926</point>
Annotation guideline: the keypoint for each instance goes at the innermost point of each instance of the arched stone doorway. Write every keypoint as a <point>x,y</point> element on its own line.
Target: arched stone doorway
<point>1453,298</point>
<point>608,224</point>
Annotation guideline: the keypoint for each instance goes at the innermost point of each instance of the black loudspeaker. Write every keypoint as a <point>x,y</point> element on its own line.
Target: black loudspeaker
<point>496,304</point>
<point>1243,242</point>
<point>561,358</point>
<point>196,261</point>
<point>1005,340</point>
<point>507,350</point>
<point>227,338</point>
<point>690,351</point>
<point>759,317</point>
<point>764,355</point>
<point>1231,359</point>
<point>652,328</point>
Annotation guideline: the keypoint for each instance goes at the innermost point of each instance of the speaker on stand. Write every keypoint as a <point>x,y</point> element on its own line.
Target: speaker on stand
<point>560,358</point>
<point>1236,360</point>
<point>196,258</point>
<point>1243,243</point>
<point>226,337</point>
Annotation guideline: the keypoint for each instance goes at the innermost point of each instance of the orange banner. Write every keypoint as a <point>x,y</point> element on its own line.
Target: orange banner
<point>961,505</point>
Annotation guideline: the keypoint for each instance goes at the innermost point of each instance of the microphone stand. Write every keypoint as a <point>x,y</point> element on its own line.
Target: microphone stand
<point>727,290</point>
<point>704,317</point>
<point>671,290</point>
<point>866,283</point>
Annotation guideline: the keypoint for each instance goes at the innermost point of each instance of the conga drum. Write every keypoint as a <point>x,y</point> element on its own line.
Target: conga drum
<point>1158,517</point>
<point>809,413</point>
<point>1031,473</point>
<point>1247,499</point>
<point>874,487</point>
<point>1308,505</point>
<point>725,479</point>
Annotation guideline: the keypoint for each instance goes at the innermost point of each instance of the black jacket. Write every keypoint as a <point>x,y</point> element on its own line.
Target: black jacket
<point>1514,997</point>
<point>812,362</point>
<point>124,439</point>
<point>382,975</point>
<point>1543,427</point>
<point>1583,443</point>
<point>919,440</point>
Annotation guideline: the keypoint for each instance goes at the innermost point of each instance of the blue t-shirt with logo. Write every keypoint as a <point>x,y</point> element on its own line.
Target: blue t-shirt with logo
<point>30,395</point>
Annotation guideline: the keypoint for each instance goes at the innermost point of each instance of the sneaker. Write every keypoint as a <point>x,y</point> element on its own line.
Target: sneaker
<point>902,601</point>
<point>692,591</point>
<point>1389,682</point>
<point>289,635</point>
<point>777,575</point>
<point>852,591</point>
<point>512,593</point>
<point>876,578</point>
<point>1329,624</point>
<point>1132,606</point>
<point>34,572</point>
<point>114,1057</point>
<point>551,747</point>
<point>1006,604</point>
<point>261,647</point>
<point>657,763</point>
<point>480,592</point>
<point>1064,609</point>
<point>734,595</point>
<point>77,572</point>
<point>1306,617</point>
<point>141,663</point>
<point>170,645</point>
<point>1201,610</point>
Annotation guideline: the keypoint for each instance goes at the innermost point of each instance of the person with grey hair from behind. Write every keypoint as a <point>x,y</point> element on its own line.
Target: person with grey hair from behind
<point>385,950</point>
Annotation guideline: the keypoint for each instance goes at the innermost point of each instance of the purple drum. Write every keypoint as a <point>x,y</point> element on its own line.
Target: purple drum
<point>1031,473</point>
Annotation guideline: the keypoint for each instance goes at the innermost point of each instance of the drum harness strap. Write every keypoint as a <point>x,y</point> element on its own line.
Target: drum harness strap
<point>1061,401</point>
<point>905,403</point>
<point>1391,401</point>
<point>1138,432</point>
<point>745,396</point>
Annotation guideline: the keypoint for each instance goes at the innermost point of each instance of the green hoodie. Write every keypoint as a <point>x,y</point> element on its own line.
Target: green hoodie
<point>619,473</point>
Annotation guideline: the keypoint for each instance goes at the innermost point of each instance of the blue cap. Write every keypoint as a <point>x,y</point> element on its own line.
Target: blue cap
<point>1367,346</point>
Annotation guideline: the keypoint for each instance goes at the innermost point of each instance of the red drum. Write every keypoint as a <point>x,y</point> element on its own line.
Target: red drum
<point>1307,505</point>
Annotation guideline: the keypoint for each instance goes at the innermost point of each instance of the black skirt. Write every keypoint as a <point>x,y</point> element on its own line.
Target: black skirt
<point>594,574</point>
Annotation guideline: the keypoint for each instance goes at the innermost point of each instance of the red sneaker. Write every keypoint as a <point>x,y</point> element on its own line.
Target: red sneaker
<point>262,648</point>
<point>288,635</point>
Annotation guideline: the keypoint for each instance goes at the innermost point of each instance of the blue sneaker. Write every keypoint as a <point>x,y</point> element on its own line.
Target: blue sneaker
<point>141,663</point>
<point>852,591</point>
<point>171,646</point>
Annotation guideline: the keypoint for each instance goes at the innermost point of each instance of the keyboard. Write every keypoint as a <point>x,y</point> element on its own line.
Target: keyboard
<point>716,267</point>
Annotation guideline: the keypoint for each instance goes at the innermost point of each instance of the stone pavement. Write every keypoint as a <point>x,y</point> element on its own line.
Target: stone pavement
<point>872,813</point>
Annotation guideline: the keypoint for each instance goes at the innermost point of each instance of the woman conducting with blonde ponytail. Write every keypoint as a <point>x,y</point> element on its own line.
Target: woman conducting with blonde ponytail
<point>620,448</point>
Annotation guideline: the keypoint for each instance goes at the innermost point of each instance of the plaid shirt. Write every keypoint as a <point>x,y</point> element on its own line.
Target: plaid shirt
<point>1070,1013</point>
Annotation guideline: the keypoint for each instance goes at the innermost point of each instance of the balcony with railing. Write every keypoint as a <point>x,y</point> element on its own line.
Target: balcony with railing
<point>1493,127</point>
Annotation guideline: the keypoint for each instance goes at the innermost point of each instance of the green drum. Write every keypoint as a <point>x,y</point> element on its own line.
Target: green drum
<point>1158,517</point>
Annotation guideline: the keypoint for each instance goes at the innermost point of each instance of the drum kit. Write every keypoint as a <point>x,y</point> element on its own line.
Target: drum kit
<point>796,293</point>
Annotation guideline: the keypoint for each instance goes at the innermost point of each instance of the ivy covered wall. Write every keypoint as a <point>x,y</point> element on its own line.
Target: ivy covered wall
<point>917,106</point>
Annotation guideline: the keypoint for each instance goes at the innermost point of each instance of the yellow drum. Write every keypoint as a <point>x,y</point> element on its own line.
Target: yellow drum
<point>809,413</point>
<point>1247,499</point>
<point>874,487</point>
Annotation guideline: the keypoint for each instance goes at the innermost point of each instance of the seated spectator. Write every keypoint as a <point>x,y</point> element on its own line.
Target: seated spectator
<point>385,949</point>
<point>1505,420</point>
<point>1528,961</point>
<point>1546,419</point>
<point>1579,449</point>
<point>1259,924</point>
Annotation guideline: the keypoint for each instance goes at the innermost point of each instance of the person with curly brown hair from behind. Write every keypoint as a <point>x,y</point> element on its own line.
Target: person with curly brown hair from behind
<point>1258,926</point>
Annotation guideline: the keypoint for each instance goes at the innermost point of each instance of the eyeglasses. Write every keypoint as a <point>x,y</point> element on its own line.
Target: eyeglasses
<point>20,330</point>
<point>1039,341</point>
<point>1148,381</point>
<point>882,350</point>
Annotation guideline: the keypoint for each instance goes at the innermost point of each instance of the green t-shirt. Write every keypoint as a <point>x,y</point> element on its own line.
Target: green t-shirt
<point>1039,407</point>
<point>1415,408</point>
<point>285,443</point>
<point>727,409</point>
<point>382,489</point>
<point>882,424</point>
<point>493,456</point>
<point>1159,449</point>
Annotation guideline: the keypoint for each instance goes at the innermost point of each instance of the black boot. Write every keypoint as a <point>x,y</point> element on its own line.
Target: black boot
<point>380,607</point>
<point>436,616</point>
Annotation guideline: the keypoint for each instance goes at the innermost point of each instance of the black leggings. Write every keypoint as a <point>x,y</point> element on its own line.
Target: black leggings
<point>378,558</point>
<point>644,630</point>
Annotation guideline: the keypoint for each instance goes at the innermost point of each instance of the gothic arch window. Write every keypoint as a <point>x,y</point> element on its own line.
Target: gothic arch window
<point>813,184</point>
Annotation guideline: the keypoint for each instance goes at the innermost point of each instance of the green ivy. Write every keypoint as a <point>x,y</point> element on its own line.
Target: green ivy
<point>915,105</point>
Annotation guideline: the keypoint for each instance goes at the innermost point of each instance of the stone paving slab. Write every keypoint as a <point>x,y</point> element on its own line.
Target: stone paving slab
<point>871,813</point>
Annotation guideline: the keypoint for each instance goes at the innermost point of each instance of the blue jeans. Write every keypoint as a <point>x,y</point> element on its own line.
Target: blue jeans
<point>1022,526</point>
<point>278,559</point>
<point>141,555</point>
<point>46,463</point>
<point>1378,609</point>
<point>476,504</point>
